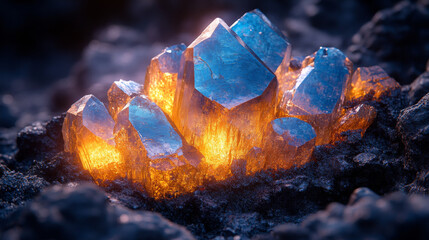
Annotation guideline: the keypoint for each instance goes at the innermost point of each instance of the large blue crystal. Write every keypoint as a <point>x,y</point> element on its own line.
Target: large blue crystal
<point>319,89</point>
<point>169,58</point>
<point>295,130</point>
<point>225,69</point>
<point>268,43</point>
<point>156,134</point>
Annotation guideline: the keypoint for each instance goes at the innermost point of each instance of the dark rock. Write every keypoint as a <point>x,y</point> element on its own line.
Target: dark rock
<point>83,212</point>
<point>40,139</point>
<point>395,216</point>
<point>397,39</point>
<point>16,189</point>
<point>418,88</point>
<point>413,126</point>
<point>364,158</point>
<point>360,194</point>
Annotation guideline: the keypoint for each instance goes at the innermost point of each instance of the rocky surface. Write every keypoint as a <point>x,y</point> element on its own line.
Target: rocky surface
<point>396,39</point>
<point>366,216</point>
<point>419,87</point>
<point>83,212</point>
<point>242,206</point>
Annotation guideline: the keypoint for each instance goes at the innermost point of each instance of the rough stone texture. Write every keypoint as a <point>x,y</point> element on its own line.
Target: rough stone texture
<point>397,39</point>
<point>395,216</point>
<point>418,88</point>
<point>413,126</point>
<point>15,189</point>
<point>83,212</point>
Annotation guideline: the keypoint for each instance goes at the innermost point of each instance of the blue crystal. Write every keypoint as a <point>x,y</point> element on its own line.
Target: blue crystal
<point>96,118</point>
<point>169,58</point>
<point>319,88</point>
<point>157,135</point>
<point>295,130</point>
<point>268,43</point>
<point>130,88</point>
<point>225,69</point>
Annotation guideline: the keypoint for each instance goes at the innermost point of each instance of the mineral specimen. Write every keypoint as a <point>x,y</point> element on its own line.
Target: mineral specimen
<point>232,103</point>
<point>154,152</point>
<point>161,78</point>
<point>289,141</point>
<point>370,83</point>
<point>120,94</point>
<point>221,77</point>
<point>357,118</point>
<point>263,38</point>
<point>88,132</point>
<point>318,91</point>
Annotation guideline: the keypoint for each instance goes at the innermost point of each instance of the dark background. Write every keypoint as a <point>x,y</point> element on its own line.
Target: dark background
<point>53,52</point>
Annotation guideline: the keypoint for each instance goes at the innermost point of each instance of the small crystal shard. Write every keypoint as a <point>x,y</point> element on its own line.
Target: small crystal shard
<point>255,160</point>
<point>357,118</point>
<point>260,35</point>
<point>155,153</point>
<point>120,94</point>
<point>370,83</point>
<point>161,77</point>
<point>289,141</point>
<point>88,132</point>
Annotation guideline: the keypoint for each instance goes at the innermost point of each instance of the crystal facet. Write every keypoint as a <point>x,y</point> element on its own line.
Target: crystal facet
<point>357,118</point>
<point>161,78</point>
<point>155,153</point>
<point>263,38</point>
<point>289,141</point>
<point>88,132</point>
<point>370,83</point>
<point>120,94</point>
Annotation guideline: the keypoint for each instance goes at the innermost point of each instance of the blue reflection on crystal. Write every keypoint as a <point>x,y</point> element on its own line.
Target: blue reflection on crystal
<point>155,131</point>
<point>298,132</point>
<point>262,37</point>
<point>319,91</point>
<point>224,69</point>
<point>97,119</point>
<point>169,58</point>
<point>129,87</point>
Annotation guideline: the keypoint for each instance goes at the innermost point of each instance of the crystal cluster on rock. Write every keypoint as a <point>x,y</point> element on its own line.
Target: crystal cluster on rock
<point>232,103</point>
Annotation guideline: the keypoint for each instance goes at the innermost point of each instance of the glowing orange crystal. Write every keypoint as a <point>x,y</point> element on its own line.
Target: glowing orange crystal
<point>233,103</point>
<point>88,132</point>
<point>289,142</point>
<point>161,77</point>
<point>120,93</point>
<point>224,94</point>
<point>154,152</point>
<point>357,118</point>
<point>370,83</point>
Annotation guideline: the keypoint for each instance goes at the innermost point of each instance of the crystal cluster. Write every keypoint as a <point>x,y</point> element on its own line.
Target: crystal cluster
<point>233,102</point>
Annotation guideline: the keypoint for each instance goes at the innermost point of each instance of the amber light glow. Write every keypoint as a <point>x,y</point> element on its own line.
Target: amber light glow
<point>232,102</point>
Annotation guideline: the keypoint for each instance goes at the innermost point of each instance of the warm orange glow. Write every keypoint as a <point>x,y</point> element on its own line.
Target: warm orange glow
<point>357,118</point>
<point>160,87</point>
<point>103,161</point>
<point>202,138</point>
<point>370,83</point>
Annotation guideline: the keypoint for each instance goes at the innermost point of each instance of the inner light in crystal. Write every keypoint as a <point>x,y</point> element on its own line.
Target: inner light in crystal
<point>233,102</point>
